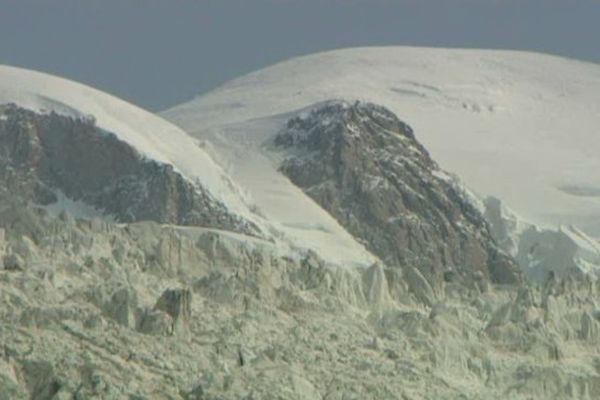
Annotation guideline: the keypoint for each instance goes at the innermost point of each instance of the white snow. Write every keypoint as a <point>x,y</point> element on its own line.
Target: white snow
<point>539,250</point>
<point>515,125</point>
<point>588,248</point>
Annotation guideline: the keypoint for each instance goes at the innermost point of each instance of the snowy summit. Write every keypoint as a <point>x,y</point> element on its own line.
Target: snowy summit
<point>520,126</point>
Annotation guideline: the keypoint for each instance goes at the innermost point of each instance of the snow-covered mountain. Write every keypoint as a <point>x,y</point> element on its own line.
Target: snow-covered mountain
<point>62,142</point>
<point>150,135</point>
<point>523,127</point>
<point>306,249</point>
<point>86,121</point>
<point>120,176</point>
<point>368,170</point>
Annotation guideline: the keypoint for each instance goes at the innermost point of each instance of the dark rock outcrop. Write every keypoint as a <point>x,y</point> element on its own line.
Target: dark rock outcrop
<point>365,167</point>
<point>42,154</point>
<point>176,303</point>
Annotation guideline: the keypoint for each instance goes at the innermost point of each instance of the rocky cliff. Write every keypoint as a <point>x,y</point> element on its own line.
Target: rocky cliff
<point>45,155</point>
<point>365,166</point>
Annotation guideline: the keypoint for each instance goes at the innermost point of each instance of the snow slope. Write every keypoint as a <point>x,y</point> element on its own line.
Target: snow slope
<point>523,127</point>
<point>162,141</point>
<point>294,216</point>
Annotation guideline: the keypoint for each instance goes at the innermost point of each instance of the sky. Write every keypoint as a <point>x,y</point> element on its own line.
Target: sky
<point>158,53</point>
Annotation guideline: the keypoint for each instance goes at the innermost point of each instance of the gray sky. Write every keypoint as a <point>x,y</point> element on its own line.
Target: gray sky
<point>157,53</point>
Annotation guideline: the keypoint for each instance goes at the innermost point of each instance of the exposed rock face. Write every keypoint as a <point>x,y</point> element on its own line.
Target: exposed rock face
<point>364,166</point>
<point>43,154</point>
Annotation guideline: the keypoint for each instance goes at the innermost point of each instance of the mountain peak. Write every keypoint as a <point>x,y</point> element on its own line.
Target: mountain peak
<point>365,166</point>
<point>331,116</point>
<point>480,113</point>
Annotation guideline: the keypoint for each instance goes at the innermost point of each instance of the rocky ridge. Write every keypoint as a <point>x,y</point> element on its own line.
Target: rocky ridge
<point>43,156</point>
<point>366,168</point>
